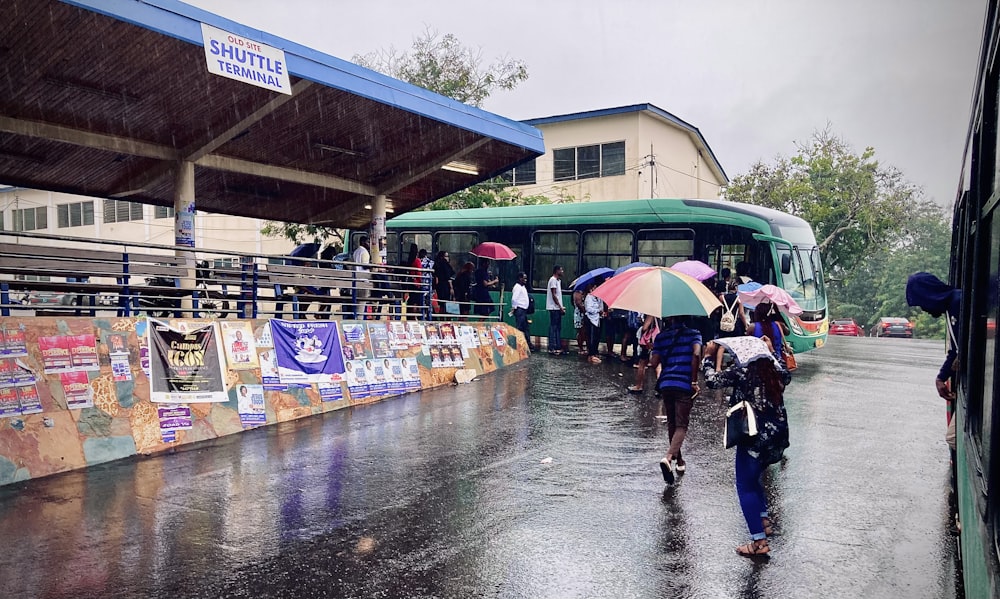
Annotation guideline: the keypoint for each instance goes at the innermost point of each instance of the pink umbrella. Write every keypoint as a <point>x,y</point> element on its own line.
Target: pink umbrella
<point>493,250</point>
<point>694,268</point>
<point>769,293</point>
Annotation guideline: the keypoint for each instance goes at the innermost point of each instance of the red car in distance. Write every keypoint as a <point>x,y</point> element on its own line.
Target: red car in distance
<point>846,326</point>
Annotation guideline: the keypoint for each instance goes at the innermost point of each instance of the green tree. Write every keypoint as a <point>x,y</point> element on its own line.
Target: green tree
<point>855,204</point>
<point>441,64</point>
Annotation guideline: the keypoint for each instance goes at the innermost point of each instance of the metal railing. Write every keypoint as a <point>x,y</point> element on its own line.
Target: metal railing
<point>68,275</point>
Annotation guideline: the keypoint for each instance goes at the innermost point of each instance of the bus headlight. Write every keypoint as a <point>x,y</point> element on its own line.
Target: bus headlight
<point>795,326</point>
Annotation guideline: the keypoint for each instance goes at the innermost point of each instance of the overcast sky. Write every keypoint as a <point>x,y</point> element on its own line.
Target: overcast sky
<point>754,76</point>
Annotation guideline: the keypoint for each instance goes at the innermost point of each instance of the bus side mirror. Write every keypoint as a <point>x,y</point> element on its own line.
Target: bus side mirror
<point>786,264</point>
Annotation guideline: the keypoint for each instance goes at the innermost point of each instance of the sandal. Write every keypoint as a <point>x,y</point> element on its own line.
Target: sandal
<point>595,360</point>
<point>681,466</point>
<point>634,389</point>
<point>752,549</point>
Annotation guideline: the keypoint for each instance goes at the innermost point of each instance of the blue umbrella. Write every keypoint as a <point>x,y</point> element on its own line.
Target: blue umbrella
<point>304,250</point>
<point>747,288</point>
<point>622,269</point>
<point>586,278</point>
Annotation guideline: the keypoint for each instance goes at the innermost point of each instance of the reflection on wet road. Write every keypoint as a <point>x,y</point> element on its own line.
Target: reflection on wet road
<point>541,481</point>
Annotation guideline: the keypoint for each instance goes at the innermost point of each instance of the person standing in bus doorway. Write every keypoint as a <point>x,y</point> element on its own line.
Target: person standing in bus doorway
<point>554,306</point>
<point>519,307</point>
<point>934,296</point>
<point>677,350</point>
<point>362,288</point>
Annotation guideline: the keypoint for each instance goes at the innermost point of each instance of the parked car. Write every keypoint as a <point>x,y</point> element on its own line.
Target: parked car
<point>893,326</point>
<point>846,326</point>
<point>47,298</point>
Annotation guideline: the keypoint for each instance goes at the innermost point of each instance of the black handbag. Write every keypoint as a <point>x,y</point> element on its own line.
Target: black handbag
<point>741,424</point>
<point>531,305</point>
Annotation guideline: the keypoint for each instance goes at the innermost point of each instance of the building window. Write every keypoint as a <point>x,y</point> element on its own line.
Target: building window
<point>120,211</point>
<point>606,248</point>
<point>163,212</point>
<point>521,175</point>
<point>587,162</point>
<point>31,219</point>
<point>550,248</point>
<point>78,214</point>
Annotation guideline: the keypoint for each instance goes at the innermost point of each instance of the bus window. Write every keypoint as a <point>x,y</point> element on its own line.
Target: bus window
<point>985,410</point>
<point>606,248</point>
<point>665,247</point>
<point>392,248</point>
<point>423,239</point>
<point>550,248</point>
<point>458,244</point>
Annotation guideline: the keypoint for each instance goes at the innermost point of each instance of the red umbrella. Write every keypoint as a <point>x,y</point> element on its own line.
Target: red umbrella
<point>493,251</point>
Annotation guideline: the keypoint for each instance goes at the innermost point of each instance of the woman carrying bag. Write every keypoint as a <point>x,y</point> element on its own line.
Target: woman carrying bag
<point>761,384</point>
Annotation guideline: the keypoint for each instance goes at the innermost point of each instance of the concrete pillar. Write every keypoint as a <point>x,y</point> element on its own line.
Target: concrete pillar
<point>377,234</point>
<point>184,230</point>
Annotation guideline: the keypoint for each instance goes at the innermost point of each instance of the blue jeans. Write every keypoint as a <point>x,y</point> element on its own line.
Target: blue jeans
<point>750,490</point>
<point>555,330</point>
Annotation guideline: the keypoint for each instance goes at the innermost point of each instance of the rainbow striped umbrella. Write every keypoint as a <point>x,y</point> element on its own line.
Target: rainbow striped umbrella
<point>658,291</point>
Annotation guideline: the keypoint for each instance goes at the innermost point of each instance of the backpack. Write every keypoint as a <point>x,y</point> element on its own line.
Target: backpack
<point>727,324</point>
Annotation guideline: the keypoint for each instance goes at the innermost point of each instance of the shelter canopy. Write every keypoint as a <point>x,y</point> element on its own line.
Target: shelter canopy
<point>104,98</point>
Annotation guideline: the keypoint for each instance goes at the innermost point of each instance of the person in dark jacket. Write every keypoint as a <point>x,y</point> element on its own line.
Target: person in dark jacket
<point>463,287</point>
<point>443,275</point>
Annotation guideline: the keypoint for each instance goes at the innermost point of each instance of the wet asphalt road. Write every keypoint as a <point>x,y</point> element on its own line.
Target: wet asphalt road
<point>450,493</point>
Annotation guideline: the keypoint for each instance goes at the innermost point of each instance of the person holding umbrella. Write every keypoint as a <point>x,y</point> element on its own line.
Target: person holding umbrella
<point>481,290</point>
<point>677,350</point>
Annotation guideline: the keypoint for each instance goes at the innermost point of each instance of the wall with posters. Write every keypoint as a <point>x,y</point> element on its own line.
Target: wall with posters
<point>75,392</point>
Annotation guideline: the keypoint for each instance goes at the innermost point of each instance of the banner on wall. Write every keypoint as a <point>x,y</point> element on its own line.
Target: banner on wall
<point>185,363</point>
<point>307,352</point>
<point>240,345</point>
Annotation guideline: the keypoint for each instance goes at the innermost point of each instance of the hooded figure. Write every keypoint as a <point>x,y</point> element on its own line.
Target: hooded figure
<point>936,297</point>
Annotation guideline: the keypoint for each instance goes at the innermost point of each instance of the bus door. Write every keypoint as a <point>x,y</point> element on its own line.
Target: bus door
<point>457,244</point>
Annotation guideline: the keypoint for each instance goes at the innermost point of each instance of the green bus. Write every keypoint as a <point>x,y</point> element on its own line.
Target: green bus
<point>975,268</point>
<point>581,236</point>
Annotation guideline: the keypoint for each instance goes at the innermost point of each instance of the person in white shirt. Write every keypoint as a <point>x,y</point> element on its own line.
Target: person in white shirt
<point>555,308</point>
<point>519,304</point>
<point>362,256</point>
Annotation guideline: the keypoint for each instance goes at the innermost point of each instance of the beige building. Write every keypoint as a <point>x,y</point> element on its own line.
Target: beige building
<point>625,153</point>
<point>68,215</point>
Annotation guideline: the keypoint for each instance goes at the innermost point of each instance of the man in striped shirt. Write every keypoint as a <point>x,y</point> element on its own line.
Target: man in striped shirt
<point>676,350</point>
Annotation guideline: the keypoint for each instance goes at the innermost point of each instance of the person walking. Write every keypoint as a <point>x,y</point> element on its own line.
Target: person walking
<point>443,275</point>
<point>734,322</point>
<point>595,312</point>
<point>554,306</point>
<point>761,384</point>
<point>363,284</point>
<point>676,350</point>
<point>519,307</point>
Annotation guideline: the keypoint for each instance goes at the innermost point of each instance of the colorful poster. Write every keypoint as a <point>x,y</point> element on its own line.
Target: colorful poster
<point>173,417</point>
<point>9,404</point>
<point>331,392</point>
<point>83,352</point>
<point>55,354</point>
<point>485,338</point>
<point>448,336</point>
<point>418,335</point>
<point>21,374</point>
<point>399,335</point>
<point>375,373</point>
<point>355,346</point>
<point>117,343</point>
<point>437,360</point>
<point>141,331</point>
<point>499,337</point>
<point>265,340</point>
<point>378,335</point>
<point>120,368</point>
<point>240,345</point>
<point>76,387</point>
<point>397,380</point>
<point>7,367</point>
<point>186,363</point>
<point>269,369</point>
<point>307,351</point>
<point>357,381</point>
<point>27,396</point>
<point>13,343</point>
<point>250,405</point>
<point>411,373</point>
<point>433,334</point>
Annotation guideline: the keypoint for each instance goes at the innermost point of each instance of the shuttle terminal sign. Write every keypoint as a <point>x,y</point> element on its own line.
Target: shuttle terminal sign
<point>245,60</point>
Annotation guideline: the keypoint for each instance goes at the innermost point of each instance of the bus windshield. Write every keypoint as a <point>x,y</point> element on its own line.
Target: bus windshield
<point>805,281</point>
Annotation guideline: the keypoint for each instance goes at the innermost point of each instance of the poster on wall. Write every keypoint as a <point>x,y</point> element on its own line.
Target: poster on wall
<point>55,354</point>
<point>397,380</point>
<point>140,331</point>
<point>357,381</point>
<point>330,392</point>
<point>399,335</point>
<point>269,369</point>
<point>12,341</point>
<point>418,335</point>
<point>307,351</point>
<point>83,352</point>
<point>240,345</point>
<point>185,363</point>
<point>76,387</point>
<point>27,396</point>
<point>378,335</point>
<point>173,418</point>
<point>411,372</point>
<point>250,405</point>
<point>9,405</point>
<point>355,346</point>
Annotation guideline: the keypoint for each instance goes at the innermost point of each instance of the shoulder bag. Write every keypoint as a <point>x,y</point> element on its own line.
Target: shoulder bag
<point>741,424</point>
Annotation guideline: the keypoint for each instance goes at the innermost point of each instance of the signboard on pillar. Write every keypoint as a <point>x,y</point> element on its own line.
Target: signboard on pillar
<point>184,225</point>
<point>246,60</point>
